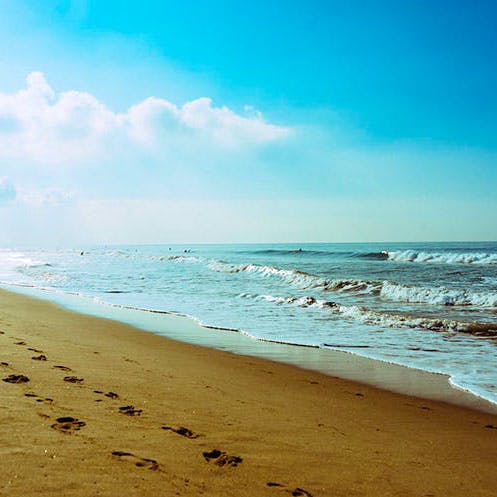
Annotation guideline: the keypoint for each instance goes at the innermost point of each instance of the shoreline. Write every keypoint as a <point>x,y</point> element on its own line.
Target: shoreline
<point>114,410</point>
<point>348,365</point>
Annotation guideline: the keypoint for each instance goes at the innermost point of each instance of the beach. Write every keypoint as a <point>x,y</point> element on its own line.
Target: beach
<point>111,410</point>
<point>426,306</point>
<point>248,250</point>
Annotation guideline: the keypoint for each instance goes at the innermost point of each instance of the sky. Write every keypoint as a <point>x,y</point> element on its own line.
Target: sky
<point>215,121</point>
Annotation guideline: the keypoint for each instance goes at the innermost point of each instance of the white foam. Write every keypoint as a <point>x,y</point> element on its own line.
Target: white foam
<point>299,279</point>
<point>179,258</point>
<point>437,295</point>
<point>382,319</point>
<point>443,257</point>
<point>155,258</point>
<point>10,261</point>
<point>387,290</point>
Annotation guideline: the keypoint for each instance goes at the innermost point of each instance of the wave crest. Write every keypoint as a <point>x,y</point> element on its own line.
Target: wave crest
<point>443,257</point>
<point>180,258</point>
<point>375,318</point>
<point>387,290</point>
<point>299,279</point>
<point>437,295</point>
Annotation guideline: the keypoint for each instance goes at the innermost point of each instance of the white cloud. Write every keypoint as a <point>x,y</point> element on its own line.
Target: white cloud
<point>7,190</point>
<point>39,125</point>
<point>227,127</point>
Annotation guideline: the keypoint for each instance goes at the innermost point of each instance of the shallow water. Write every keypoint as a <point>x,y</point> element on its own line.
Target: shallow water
<point>429,306</point>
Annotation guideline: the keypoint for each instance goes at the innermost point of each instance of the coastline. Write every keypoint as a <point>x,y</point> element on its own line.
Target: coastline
<point>279,429</point>
<point>389,376</point>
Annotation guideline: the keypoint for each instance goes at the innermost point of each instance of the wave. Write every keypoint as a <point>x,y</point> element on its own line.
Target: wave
<point>383,255</point>
<point>179,258</point>
<point>42,272</point>
<point>443,257</point>
<point>390,320</point>
<point>154,258</point>
<point>437,295</point>
<point>297,278</point>
<point>13,260</point>
<point>297,251</point>
<point>384,289</point>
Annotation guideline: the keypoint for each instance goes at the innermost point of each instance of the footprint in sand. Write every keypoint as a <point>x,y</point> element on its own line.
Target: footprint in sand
<point>110,395</point>
<point>20,343</point>
<point>35,350</point>
<point>99,392</point>
<point>38,398</point>
<point>73,379</point>
<point>491,427</point>
<point>68,424</point>
<point>295,492</point>
<point>130,411</point>
<point>16,378</point>
<point>184,432</point>
<point>221,458</point>
<point>39,358</point>
<point>4,364</point>
<point>63,368</point>
<point>140,462</point>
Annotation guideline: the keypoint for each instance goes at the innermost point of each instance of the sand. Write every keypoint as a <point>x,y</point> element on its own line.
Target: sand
<point>110,410</point>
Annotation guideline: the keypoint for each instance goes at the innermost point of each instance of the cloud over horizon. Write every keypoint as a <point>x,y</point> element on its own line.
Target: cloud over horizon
<point>44,127</point>
<point>199,172</point>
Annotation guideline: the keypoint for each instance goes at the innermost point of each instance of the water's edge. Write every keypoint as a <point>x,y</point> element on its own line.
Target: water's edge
<point>336,363</point>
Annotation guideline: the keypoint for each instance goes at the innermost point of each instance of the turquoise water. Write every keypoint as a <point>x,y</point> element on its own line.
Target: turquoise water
<point>429,306</point>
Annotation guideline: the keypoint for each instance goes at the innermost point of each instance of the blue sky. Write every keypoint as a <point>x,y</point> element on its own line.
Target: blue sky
<point>268,121</point>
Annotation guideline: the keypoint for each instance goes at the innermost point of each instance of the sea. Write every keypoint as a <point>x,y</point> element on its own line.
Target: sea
<point>429,306</point>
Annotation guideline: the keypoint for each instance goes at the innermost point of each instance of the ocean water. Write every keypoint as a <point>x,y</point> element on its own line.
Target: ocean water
<point>431,306</point>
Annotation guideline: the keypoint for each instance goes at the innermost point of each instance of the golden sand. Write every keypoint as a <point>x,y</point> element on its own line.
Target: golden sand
<point>110,410</point>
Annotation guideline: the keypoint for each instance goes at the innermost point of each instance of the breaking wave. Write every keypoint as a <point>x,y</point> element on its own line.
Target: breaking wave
<point>179,258</point>
<point>390,320</point>
<point>297,278</point>
<point>382,255</point>
<point>442,257</point>
<point>42,272</point>
<point>437,295</point>
<point>154,258</point>
<point>384,289</point>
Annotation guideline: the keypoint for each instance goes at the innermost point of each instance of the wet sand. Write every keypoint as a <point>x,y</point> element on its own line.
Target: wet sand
<point>110,410</point>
